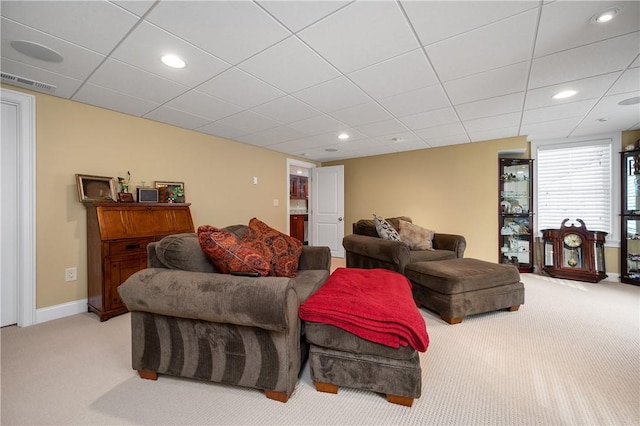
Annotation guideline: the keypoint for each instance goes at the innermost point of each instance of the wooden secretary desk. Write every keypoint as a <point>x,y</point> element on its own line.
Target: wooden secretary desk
<point>117,239</point>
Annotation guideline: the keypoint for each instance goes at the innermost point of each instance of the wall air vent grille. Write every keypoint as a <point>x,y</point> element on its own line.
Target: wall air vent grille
<point>26,82</point>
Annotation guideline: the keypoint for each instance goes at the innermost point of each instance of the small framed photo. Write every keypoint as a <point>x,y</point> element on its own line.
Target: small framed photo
<point>125,197</point>
<point>95,188</point>
<point>170,192</point>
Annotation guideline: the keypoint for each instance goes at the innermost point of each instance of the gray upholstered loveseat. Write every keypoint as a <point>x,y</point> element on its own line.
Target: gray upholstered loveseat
<point>365,249</point>
<point>188,320</point>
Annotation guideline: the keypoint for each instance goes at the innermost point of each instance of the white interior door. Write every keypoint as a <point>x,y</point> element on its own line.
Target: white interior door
<point>326,220</point>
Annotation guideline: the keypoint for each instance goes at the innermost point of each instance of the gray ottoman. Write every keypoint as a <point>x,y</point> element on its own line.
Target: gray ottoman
<point>456,288</point>
<point>339,358</point>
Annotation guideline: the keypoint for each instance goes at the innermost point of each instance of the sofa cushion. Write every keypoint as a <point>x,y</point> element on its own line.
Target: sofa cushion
<point>229,253</point>
<point>281,251</point>
<point>368,226</point>
<point>424,255</point>
<point>183,251</point>
<point>416,237</point>
<point>385,229</point>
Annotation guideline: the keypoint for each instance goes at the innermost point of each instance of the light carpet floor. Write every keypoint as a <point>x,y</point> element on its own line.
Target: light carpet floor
<point>569,356</point>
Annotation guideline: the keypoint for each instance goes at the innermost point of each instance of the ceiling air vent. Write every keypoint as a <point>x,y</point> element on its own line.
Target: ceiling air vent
<point>26,82</point>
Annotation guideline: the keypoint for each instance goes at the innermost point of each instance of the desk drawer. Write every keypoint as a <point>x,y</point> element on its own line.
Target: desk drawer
<point>138,245</point>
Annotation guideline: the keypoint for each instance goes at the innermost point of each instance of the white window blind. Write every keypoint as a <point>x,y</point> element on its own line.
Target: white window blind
<point>575,182</point>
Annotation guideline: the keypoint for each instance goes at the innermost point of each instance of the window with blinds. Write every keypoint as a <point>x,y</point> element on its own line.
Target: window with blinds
<point>575,182</point>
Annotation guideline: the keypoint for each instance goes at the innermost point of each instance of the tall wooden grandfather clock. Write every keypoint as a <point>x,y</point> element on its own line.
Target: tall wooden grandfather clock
<point>574,252</point>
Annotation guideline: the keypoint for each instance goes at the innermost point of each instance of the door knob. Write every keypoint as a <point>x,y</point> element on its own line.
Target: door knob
<point>339,219</point>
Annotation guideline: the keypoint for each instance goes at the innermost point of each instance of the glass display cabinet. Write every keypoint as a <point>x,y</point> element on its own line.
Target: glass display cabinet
<point>515,218</point>
<point>630,216</point>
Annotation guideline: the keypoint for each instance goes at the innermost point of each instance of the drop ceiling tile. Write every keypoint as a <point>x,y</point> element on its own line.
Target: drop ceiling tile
<point>456,139</point>
<point>445,130</point>
<point>297,15</point>
<point>78,62</point>
<point>497,45</point>
<point>318,125</point>
<point>491,123</point>
<point>556,129</point>
<point>249,121</point>
<point>289,66</point>
<point>333,95</point>
<point>123,78</point>
<point>222,130</point>
<point>488,107</point>
<point>401,139</point>
<point>281,134</point>
<point>231,30</point>
<point>240,88</point>
<point>383,128</point>
<point>361,34</point>
<point>609,108</point>
<point>177,118</point>
<point>433,118</point>
<point>416,101</point>
<point>361,114</point>
<point>116,101</point>
<point>203,105</point>
<point>586,61</point>
<point>587,88</point>
<point>286,110</point>
<point>256,139</point>
<point>95,25</point>
<point>138,7</point>
<point>145,46</point>
<point>567,24</point>
<point>485,135</point>
<point>438,20</point>
<point>397,75</point>
<point>558,112</point>
<point>628,82</point>
<point>65,86</point>
<point>489,84</point>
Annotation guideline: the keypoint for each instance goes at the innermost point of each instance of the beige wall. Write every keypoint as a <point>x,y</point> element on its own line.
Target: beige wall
<point>72,138</point>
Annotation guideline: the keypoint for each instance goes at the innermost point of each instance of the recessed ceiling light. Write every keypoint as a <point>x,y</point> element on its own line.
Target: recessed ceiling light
<point>605,16</point>
<point>299,172</point>
<point>396,139</point>
<point>331,150</point>
<point>343,136</point>
<point>173,61</point>
<point>36,51</point>
<point>564,94</point>
<point>630,101</point>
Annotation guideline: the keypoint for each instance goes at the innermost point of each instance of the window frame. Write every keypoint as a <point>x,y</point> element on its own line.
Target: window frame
<point>615,139</point>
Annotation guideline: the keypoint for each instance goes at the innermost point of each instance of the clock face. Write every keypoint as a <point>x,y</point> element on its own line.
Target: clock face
<point>573,240</point>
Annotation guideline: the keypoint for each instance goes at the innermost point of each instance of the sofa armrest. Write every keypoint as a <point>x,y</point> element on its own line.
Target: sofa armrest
<point>315,258</point>
<point>266,302</point>
<point>152,257</point>
<point>455,243</point>
<point>372,252</point>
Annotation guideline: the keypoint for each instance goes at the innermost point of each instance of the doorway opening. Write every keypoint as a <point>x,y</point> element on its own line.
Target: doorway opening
<point>298,200</point>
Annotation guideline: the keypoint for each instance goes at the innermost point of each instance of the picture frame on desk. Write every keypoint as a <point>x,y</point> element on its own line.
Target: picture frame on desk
<point>93,188</point>
<point>125,197</point>
<point>170,192</point>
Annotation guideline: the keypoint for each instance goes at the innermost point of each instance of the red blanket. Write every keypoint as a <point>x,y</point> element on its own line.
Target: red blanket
<point>374,304</point>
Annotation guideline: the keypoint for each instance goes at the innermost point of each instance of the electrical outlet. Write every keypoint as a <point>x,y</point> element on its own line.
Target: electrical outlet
<point>71,274</point>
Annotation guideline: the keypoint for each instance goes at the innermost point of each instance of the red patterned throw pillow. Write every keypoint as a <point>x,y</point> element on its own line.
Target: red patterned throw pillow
<point>282,250</point>
<point>229,254</point>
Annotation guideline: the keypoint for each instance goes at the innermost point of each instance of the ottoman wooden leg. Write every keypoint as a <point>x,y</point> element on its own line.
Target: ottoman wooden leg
<point>326,387</point>
<point>149,375</point>
<point>455,320</point>
<point>514,308</point>
<point>400,400</point>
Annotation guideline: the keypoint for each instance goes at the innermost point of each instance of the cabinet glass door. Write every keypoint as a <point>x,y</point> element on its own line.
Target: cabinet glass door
<point>632,242</point>
<point>632,184</point>
<point>515,216</point>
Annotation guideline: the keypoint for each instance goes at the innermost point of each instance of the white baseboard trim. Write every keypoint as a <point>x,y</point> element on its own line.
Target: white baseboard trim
<point>60,311</point>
